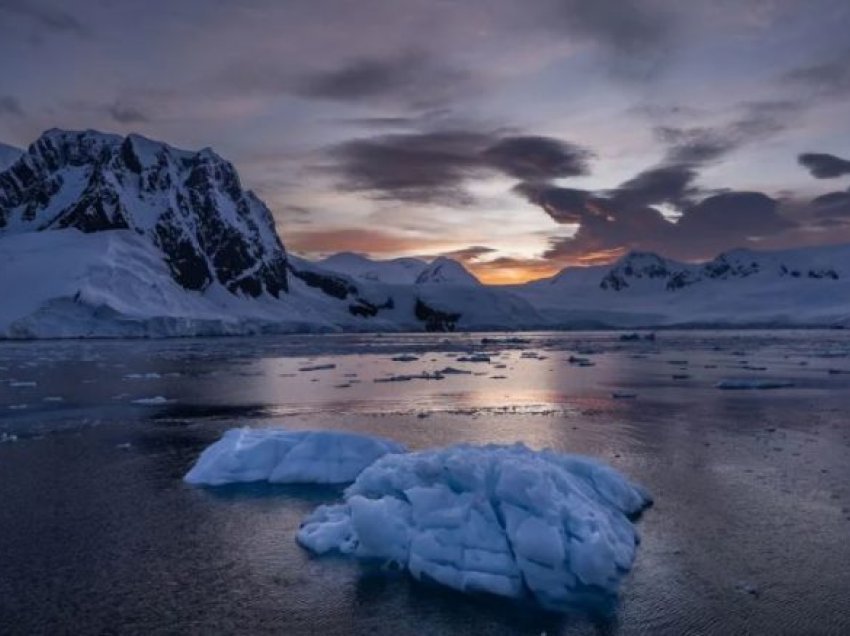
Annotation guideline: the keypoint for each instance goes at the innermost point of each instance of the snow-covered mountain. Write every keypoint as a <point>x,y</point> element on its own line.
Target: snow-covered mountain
<point>809,286</point>
<point>401,271</point>
<point>445,271</point>
<point>102,235</point>
<point>8,155</point>
<point>191,205</point>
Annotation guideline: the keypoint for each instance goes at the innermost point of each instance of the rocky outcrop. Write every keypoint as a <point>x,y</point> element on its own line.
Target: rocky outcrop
<point>191,205</point>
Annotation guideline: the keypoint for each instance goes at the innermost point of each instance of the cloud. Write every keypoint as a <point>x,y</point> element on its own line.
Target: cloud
<point>824,166</point>
<point>366,241</point>
<point>469,255</point>
<point>758,121</point>
<point>633,33</point>
<point>10,106</point>
<point>532,158</point>
<point>672,184</point>
<point>434,167</point>
<point>412,78</point>
<point>833,205</point>
<point>828,78</point>
<point>126,114</point>
<point>613,221</point>
<point>44,17</point>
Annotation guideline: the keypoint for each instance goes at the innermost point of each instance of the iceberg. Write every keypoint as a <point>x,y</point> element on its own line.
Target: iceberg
<point>287,457</point>
<point>503,520</point>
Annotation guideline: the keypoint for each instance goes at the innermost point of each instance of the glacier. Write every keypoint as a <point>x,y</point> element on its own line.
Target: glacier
<point>282,456</point>
<point>502,520</point>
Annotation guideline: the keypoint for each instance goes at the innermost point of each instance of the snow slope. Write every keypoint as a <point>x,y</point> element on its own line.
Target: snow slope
<point>504,520</point>
<point>398,271</point>
<point>9,155</point>
<point>65,283</point>
<point>444,270</point>
<point>801,287</point>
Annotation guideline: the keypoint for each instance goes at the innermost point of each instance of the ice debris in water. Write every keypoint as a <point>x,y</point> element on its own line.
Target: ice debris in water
<point>504,520</point>
<point>152,401</point>
<point>288,457</point>
<point>753,383</point>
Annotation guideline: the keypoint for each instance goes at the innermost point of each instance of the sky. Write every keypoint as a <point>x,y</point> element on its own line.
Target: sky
<point>518,136</point>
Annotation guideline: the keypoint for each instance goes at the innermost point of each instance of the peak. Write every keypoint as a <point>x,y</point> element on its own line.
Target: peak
<point>445,270</point>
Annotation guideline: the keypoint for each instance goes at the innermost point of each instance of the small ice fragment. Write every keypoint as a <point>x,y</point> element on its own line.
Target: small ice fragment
<point>318,367</point>
<point>21,384</point>
<point>152,401</point>
<point>474,358</point>
<point>405,358</point>
<point>752,383</point>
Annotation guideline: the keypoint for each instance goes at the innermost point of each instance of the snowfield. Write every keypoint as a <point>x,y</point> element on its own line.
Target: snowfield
<point>287,457</point>
<point>502,520</point>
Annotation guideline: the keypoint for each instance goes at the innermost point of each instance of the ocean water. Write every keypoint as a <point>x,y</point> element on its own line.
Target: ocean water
<point>750,532</point>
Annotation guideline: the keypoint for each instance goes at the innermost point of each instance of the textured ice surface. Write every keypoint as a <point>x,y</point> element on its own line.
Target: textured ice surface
<point>504,520</point>
<point>287,457</point>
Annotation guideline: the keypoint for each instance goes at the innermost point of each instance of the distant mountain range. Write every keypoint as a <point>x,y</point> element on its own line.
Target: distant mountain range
<point>102,235</point>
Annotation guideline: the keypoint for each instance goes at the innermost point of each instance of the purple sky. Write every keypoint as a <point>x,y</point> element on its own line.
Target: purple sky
<point>519,135</point>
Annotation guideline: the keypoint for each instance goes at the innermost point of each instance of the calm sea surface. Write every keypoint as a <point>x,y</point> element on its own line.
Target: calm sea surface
<point>750,533</point>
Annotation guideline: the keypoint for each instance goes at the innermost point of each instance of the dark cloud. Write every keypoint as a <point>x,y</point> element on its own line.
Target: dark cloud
<point>824,166</point>
<point>634,33</point>
<point>434,167</point>
<point>10,106</point>
<point>613,221</point>
<point>413,78</point>
<point>756,122</point>
<point>44,17</point>
<point>826,78</point>
<point>738,216</point>
<point>420,167</point>
<point>471,254</point>
<point>126,114</point>
<point>833,205</point>
<point>533,158</point>
<point>671,184</point>
<point>564,205</point>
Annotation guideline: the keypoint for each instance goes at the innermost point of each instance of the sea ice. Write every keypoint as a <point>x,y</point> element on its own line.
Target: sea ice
<point>288,457</point>
<point>504,520</point>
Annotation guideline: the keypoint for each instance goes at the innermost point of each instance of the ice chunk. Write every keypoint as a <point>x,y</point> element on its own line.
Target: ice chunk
<point>504,520</point>
<point>287,457</point>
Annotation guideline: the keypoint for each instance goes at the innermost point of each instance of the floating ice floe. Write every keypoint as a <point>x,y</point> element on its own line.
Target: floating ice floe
<point>753,383</point>
<point>22,384</point>
<point>474,358</point>
<point>152,401</point>
<point>318,367</point>
<point>503,520</point>
<point>288,457</point>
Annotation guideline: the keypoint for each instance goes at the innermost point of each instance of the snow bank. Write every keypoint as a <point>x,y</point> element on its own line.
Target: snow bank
<point>504,520</point>
<point>287,457</point>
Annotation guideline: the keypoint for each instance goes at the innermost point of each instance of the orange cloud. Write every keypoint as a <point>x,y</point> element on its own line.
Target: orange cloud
<point>354,240</point>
